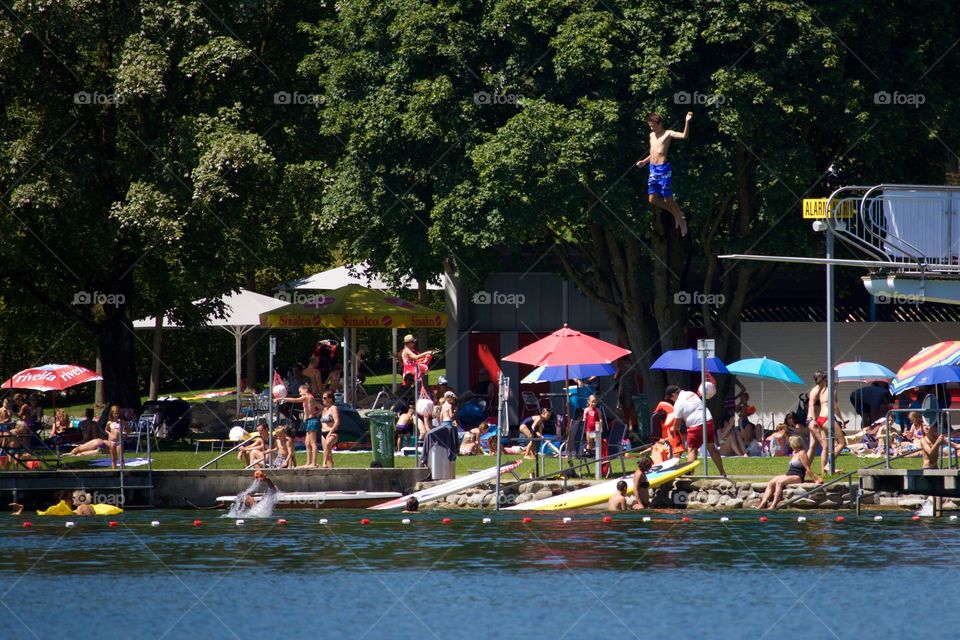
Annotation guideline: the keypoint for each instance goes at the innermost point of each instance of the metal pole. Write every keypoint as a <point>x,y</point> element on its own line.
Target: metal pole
<point>236,335</point>
<point>393,359</point>
<point>343,377</point>
<point>500,413</point>
<point>273,352</point>
<point>703,401</point>
<point>831,409</point>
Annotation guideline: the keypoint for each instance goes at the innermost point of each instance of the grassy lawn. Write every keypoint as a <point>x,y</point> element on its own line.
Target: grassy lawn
<point>182,456</point>
<point>372,385</point>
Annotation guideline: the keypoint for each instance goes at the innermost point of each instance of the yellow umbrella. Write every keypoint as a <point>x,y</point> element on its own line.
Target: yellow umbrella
<point>353,307</point>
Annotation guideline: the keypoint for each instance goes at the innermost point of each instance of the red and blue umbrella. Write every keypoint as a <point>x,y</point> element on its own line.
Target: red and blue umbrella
<point>941,353</point>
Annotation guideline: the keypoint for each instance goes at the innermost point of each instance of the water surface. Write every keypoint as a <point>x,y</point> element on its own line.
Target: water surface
<point>547,579</point>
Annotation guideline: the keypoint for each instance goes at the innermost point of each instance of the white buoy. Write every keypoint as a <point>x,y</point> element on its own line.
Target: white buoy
<point>154,523</point>
<point>405,521</point>
<point>878,518</point>
<point>239,523</point>
<point>70,525</point>
<point>647,518</point>
<point>323,521</point>
<point>953,517</point>
<point>487,520</point>
<point>724,519</point>
<point>801,518</point>
<point>567,520</point>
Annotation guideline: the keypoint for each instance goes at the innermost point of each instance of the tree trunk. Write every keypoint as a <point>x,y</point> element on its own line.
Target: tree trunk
<point>423,297</point>
<point>115,334</point>
<point>155,357</point>
<point>98,402</point>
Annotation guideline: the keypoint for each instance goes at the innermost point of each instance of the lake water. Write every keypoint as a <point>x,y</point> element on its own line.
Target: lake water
<point>547,579</point>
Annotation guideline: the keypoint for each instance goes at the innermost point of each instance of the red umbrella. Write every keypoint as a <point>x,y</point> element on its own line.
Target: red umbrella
<point>567,347</point>
<point>51,377</point>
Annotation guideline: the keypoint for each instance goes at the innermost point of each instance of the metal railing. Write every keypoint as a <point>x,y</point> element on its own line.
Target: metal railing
<point>916,226</point>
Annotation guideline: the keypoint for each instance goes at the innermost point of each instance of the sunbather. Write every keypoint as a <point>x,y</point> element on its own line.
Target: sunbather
<point>797,470</point>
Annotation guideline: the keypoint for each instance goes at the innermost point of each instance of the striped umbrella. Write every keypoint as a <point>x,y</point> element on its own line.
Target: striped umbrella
<point>937,354</point>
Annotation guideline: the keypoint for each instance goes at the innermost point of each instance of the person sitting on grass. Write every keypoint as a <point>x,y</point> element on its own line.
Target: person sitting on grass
<point>797,470</point>
<point>641,486</point>
<point>730,438</point>
<point>777,442</point>
<point>618,501</point>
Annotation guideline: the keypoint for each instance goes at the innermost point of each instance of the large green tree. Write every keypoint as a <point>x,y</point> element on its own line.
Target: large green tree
<point>147,161</point>
<point>548,152</point>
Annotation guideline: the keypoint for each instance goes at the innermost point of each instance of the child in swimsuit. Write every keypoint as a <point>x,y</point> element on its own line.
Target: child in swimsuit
<point>311,425</point>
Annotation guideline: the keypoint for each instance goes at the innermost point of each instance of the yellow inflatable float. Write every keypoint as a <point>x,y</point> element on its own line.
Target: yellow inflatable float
<point>62,508</point>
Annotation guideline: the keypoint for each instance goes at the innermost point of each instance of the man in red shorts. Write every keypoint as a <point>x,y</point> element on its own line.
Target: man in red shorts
<point>688,413</point>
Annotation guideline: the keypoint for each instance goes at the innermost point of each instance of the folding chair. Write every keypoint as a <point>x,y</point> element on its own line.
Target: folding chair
<point>531,403</point>
<point>615,444</point>
<point>147,426</point>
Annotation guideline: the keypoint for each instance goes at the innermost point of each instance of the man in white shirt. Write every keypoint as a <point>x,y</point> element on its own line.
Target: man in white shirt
<point>688,415</point>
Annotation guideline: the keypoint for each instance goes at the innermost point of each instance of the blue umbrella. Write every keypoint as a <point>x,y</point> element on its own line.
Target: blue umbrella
<point>557,373</point>
<point>862,372</point>
<point>939,374</point>
<point>687,360</point>
<point>764,369</point>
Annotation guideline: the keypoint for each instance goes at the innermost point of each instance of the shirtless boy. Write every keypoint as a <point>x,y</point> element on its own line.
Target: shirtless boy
<point>659,184</point>
<point>618,501</point>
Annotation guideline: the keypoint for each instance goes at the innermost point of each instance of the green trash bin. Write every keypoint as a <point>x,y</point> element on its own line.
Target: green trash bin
<point>382,436</point>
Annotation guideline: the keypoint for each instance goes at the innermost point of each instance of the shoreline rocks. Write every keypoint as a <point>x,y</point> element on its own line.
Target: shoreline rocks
<point>686,493</point>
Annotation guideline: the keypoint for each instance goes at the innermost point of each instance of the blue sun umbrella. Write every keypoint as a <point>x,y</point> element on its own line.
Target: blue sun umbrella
<point>862,372</point>
<point>687,360</point>
<point>579,371</point>
<point>764,369</point>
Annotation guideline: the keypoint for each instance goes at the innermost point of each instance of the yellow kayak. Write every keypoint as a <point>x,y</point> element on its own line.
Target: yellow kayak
<point>600,493</point>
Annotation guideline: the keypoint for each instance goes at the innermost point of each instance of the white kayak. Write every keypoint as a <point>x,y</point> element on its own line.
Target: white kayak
<point>322,499</point>
<point>449,488</point>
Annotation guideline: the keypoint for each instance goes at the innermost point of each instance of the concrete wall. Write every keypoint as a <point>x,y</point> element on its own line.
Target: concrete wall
<point>193,487</point>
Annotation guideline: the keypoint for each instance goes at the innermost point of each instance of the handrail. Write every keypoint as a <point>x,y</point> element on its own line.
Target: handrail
<point>229,451</point>
<point>821,487</point>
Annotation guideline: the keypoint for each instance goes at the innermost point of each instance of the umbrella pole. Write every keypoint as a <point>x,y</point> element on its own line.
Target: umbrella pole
<point>500,413</point>
<point>566,392</point>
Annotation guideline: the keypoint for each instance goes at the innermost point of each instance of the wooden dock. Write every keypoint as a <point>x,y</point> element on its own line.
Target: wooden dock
<point>944,483</point>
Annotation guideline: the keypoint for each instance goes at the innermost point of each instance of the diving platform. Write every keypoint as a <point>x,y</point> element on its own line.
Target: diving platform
<point>944,483</point>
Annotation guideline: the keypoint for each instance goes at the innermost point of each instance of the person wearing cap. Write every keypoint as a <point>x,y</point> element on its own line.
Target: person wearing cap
<point>414,362</point>
<point>448,410</point>
<point>688,413</point>
<point>442,387</point>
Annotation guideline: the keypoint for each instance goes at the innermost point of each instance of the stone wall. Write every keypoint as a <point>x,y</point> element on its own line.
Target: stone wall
<point>689,494</point>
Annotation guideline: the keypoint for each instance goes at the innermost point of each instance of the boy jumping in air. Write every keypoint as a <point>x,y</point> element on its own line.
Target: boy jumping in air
<point>659,187</point>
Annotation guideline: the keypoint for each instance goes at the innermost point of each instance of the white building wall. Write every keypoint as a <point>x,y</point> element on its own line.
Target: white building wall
<point>803,347</point>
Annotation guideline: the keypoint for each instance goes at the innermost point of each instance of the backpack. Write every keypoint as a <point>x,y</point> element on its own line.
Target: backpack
<point>802,406</point>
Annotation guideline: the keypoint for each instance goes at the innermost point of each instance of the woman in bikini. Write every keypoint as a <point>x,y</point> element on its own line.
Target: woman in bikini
<point>797,470</point>
<point>311,422</point>
<point>330,424</point>
<point>817,422</point>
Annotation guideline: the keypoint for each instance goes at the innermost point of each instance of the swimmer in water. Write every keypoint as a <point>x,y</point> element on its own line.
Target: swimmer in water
<point>618,501</point>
